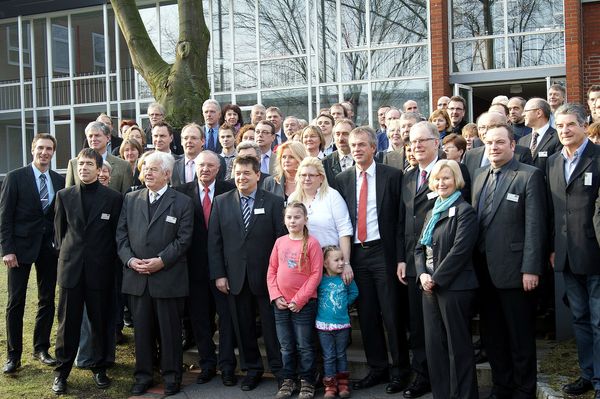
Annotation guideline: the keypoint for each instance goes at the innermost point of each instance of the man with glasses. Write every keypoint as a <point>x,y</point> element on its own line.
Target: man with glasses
<point>457,108</point>
<point>264,137</point>
<point>442,102</point>
<point>156,115</point>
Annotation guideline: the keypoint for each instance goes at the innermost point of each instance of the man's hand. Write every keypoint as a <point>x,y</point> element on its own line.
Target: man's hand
<point>281,303</point>
<point>137,265</point>
<point>530,281</point>
<point>153,265</point>
<point>222,285</point>
<point>552,259</point>
<point>10,260</point>
<point>401,272</point>
<point>426,282</point>
<point>347,274</point>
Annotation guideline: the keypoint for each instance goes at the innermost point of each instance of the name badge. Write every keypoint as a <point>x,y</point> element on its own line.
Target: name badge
<point>451,211</point>
<point>259,211</point>
<point>543,154</point>
<point>587,179</point>
<point>171,219</point>
<point>512,197</point>
<point>432,195</point>
<point>105,216</point>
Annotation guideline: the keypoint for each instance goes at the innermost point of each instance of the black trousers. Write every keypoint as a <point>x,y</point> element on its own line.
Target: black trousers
<point>508,333</point>
<point>18,277</point>
<point>378,305</point>
<point>70,314</point>
<point>157,317</point>
<point>417,330</point>
<point>243,306</point>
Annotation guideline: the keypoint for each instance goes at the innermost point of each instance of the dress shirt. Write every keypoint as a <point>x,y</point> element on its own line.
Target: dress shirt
<point>427,169</point>
<point>215,136</point>
<point>329,149</point>
<point>278,137</point>
<point>264,163</point>
<point>185,167</point>
<point>571,163</point>
<point>160,192</point>
<point>541,131</point>
<point>345,160</point>
<point>105,153</point>
<point>372,222</point>
<point>37,173</point>
<point>211,191</point>
<point>252,197</point>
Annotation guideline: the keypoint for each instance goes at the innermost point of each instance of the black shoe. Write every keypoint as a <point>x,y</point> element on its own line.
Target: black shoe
<point>417,389</point>
<point>11,366</point>
<point>101,379</point>
<point>397,384</point>
<point>138,389</point>
<point>251,381</point>
<point>371,380</point>
<point>45,358</point>
<point>578,387</point>
<point>120,339</point>
<point>205,376</point>
<point>172,388</point>
<point>597,394</point>
<point>229,379</point>
<point>59,386</point>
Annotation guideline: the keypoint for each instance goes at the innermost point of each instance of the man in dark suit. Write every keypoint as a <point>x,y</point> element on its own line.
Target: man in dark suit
<point>264,136</point>
<point>243,227</point>
<point>155,230</point>
<point>372,193</point>
<point>573,184</point>
<point>341,159</point>
<point>162,138</point>
<point>543,140</point>
<point>509,198</point>
<point>211,110</point>
<point>156,115</point>
<point>252,149</point>
<point>98,137</point>
<point>204,296</point>
<point>275,116</point>
<point>516,116</point>
<point>382,139</point>
<point>85,224</point>
<point>114,142</point>
<point>26,235</point>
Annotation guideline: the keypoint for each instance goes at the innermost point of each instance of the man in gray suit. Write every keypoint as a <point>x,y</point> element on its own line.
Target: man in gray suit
<point>153,235</point>
<point>510,201</point>
<point>98,137</point>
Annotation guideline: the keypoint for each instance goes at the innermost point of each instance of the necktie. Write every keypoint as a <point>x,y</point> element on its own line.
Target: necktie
<point>534,142</point>
<point>246,211</point>
<point>154,197</point>
<point>44,193</point>
<point>422,179</point>
<point>206,205</point>
<point>362,209</point>
<point>488,202</point>
<point>264,165</point>
<point>189,171</point>
<point>211,140</point>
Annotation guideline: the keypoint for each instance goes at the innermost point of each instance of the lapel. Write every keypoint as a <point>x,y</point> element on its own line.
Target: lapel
<point>143,202</point>
<point>259,202</point>
<point>238,212</point>
<point>478,186</point>
<point>380,183</point>
<point>351,198</point>
<point>97,209</point>
<point>584,162</point>
<point>336,167</point>
<point>511,173</point>
<point>76,204</point>
<point>33,189</point>
<point>411,183</point>
<point>180,165</point>
<point>165,203</point>
<point>197,204</point>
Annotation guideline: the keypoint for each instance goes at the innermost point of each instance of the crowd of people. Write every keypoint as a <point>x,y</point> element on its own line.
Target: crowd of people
<point>275,227</point>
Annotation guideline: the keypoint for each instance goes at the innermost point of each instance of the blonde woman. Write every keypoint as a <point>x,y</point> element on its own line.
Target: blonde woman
<point>313,140</point>
<point>283,182</point>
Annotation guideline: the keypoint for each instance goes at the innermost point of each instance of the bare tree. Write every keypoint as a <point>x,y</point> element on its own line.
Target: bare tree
<point>182,86</point>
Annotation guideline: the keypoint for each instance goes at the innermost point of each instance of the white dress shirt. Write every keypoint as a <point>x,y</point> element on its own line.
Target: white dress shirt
<point>372,222</point>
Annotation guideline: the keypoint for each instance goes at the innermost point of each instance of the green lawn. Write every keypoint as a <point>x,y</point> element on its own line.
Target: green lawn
<point>35,380</point>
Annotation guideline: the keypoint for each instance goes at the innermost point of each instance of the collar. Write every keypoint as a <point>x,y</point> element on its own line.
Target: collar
<point>342,156</point>
<point>214,128</point>
<point>577,152</point>
<point>211,186</point>
<point>105,154</point>
<point>161,192</point>
<point>543,129</point>
<point>429,167</point>
<point>189,159</point>
<point>370,170</point>
<point>268,153</point>
<point>251,195</point>
<point>37,173</point>
<point>504,168</point>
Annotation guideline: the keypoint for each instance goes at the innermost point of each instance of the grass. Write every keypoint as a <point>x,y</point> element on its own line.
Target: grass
<point>34,380</point>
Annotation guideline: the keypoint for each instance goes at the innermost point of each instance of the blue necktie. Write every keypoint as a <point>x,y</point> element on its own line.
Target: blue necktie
<point>246,211</point>
<point>211,139</point>
<point>44,193</point>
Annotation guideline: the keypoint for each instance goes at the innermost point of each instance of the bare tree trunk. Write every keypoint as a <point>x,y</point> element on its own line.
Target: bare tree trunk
<point>180,87</point>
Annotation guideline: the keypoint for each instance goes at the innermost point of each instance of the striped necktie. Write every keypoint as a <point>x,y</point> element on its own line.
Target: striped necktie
<point>44,193</point>
<point>246,211</point>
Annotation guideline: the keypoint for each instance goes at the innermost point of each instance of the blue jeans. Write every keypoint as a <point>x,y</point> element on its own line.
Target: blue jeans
<point>334,344</point>
<point>583,292</point>
<point>295,332</point>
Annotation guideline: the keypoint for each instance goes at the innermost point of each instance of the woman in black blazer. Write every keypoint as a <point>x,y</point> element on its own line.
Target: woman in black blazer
<point>445,272</point>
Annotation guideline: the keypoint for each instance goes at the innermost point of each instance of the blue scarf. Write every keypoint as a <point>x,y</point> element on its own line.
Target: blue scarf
<point>440,206</point>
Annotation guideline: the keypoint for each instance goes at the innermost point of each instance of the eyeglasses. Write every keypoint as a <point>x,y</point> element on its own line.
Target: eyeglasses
<point>304,176</point>
<point>421,141</point>
<point>455,109</point>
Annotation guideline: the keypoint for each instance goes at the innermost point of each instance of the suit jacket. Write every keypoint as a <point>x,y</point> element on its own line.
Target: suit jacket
<point>198,253</point>
<point>332,166</point>
<point>176,147</point>
<point>415,205</point>
<point>24,227</point>
<point>453,240</point>
<point>547,146</point>
<point>517,230</point>
<point>573,209</point>
<point>239,254</point>
<point>178,176</point>
<point>473,157</point>
<point>271,185</point>
<point>395,159</point>
<point>89,247</point>
<point>388,183</point>
<point>121,178</point>
<point>167,235</point>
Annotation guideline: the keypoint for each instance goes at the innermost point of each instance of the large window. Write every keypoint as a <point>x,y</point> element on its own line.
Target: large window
<point>500,34</point>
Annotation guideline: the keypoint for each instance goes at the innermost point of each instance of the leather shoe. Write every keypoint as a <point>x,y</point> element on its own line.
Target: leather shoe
<point>138,389</point>
<point>417,389</point>
<point>397,384</point>
<point>597,394</point>
<point>101,379</point>
<point>45,358</point>
<point>59,386</point>
<point>229,379</point>
<point>172,388</point>
<point>251,381</point>
<point>578,387</point>
<point>11,366</point>
<point>205,376</point>
<point>371,380</point>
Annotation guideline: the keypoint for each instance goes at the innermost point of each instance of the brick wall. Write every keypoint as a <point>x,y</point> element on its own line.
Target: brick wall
<point>591,45</point>
<point>574,50</point>
<point>440,67</point>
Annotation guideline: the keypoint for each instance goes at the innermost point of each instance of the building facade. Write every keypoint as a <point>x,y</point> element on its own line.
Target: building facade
<point>65,61</point>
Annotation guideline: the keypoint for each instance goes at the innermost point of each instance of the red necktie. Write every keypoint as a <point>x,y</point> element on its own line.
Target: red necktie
<point>206,205</point>
<point>423,179</point>
<point>362,209</point>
